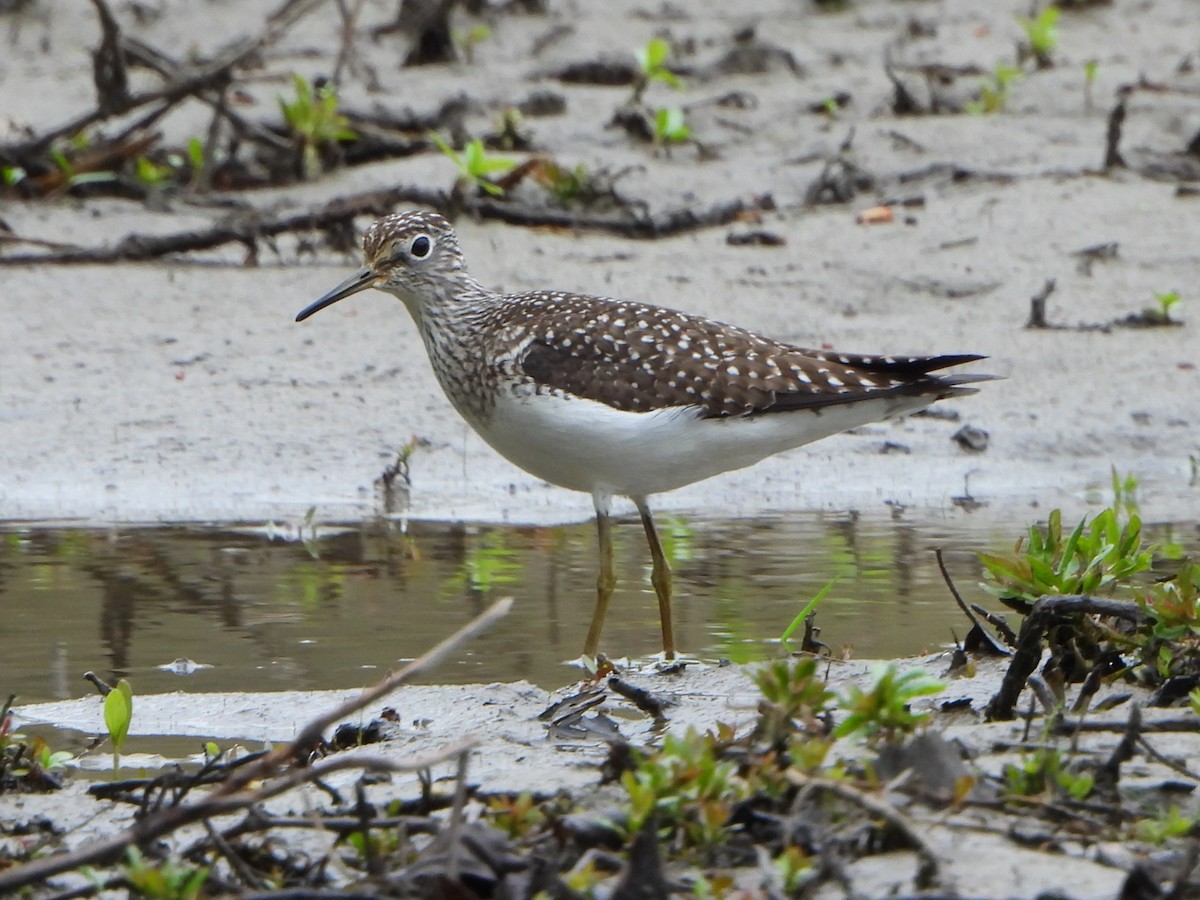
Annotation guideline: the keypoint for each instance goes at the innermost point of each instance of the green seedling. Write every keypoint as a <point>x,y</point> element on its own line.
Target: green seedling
<point>793,867</point>
<point>1166,300</point>
<point>1172,609</point>
<point>1169,823</point>
<point>809,607</point>
<point>150,173</point>
<point>474,165</point>
<point>1041,35</point>
<point>1125,501</point>
<point>794,699</point>
<point>516,816</point>
<point>881,712</point>
<point>1044,772</point>
<point>314,122</point>
<point>652,66</point>
<point>118,713</point>
<point>73,178</point>
<point>12,175</point>
<point>670,126</point>
<point>1094,559</point>
<point>168,880</point>
<point>466,40</point>
<point>567,186</point>
<point>994,90</point>
<point>1090,68</point>
<point>684,785</point>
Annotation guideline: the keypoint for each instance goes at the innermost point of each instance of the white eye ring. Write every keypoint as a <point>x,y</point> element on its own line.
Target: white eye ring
<point>420,247</point>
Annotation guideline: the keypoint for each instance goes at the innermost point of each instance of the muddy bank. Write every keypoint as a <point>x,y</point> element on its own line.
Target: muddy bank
<point>182,389</point>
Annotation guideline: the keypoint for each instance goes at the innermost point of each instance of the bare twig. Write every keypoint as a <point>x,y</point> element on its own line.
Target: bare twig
<point>997,648</point>
<point>927,869</point>
<point>232,796</point>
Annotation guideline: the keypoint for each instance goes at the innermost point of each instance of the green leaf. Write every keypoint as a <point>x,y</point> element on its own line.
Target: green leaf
<point>808,608</point>
<point>118,713</point>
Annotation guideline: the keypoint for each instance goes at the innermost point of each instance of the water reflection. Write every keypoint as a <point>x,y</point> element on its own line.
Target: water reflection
<point>338,611</point>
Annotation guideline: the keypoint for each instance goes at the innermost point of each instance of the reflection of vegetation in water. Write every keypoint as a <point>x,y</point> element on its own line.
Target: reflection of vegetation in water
<point>731,635</point>
<point>309,583</point>
<point>488,563</point>
<point>678,541</point>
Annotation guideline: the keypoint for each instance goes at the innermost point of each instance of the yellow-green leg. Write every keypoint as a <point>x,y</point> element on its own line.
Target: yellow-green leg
<point>605,582</point>
<point>660,577</point>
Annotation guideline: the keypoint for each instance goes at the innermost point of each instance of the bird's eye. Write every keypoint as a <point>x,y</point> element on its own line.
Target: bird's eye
<point>420,246</point>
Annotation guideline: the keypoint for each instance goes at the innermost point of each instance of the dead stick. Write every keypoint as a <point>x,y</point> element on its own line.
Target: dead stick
<point>927,870</point>
<point>230,796</point>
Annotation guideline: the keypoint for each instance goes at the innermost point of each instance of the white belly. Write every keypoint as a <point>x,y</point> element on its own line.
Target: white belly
<point>588,446</point>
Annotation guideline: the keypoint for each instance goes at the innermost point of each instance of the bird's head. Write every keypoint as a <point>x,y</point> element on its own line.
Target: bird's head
<point>413,255</point>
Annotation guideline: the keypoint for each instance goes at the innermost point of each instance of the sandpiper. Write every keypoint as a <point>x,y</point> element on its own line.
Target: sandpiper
<point>613,397</point>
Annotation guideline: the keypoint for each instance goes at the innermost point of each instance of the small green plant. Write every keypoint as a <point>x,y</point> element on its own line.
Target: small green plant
<point>1172,609</point>
<point>567,186</point>
<point>12,175</point>
<point>1093,559</point>
<point>150,173</point>
<point>1044,772</point>
<point>994,90</point>
<point>685,784</point>
<point>1166,300</point>
<point>118,713</point>
<point>793,867</point>
<point>474,165</point>
<point>168,880</point>
<point>1041,36</point>
<point>794,699</point>
<point>798,621</point>
<point>881,712</point>
<point>1090,68</point>
<point>466,40</point>
<point>1125,501</point>
<point>314,122</point>
<point>670,126</point>
<point>1169,823</point>
<point>516,816</point>
<point>652,66</point>
<point>79,143</point>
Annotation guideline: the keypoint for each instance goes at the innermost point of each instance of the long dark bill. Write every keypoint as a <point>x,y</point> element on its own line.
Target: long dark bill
<point>359,281</point>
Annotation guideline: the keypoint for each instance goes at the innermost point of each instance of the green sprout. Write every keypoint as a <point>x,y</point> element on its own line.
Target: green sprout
<point>804,613</point>
<point>1089,81</point>
<point>150,173</point>
<point>474,165</point>
<point>652,66</point>
<point>12,175</point>
<point>1172,609</point>
<point>1041,35</point>
<point>169,880</point>
<point>567,186</point>
<point>1166,300</point>
<point>467,40</point>
<point>794,868</point>
<point>1044,772</point>
<point>882,711</point>
<point>314,122</point>
<point>118,713</point>
<point>685,784</point>
<point>994,91</point>
<point>670,126</point>
<point>71,177</point>
<point>1169,823</point>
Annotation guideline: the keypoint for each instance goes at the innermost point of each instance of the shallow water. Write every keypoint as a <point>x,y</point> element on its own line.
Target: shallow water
<point>262,610</point>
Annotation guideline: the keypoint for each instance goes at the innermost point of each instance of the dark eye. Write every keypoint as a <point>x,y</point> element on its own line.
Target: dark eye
<point>420,246</point>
